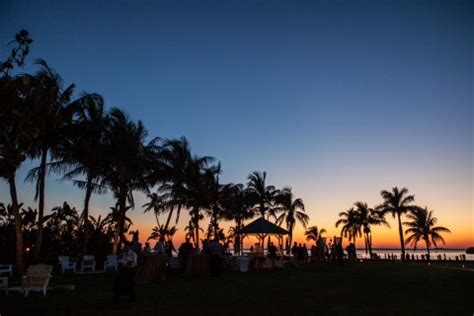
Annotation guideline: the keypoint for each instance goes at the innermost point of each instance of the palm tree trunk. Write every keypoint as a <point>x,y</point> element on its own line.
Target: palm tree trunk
<point>157,220</point>
<point>427,249</point>
<point>355,246</point>
<point>18,230</point>
<point>41,185</point>
<point>196,226</point>
<point>290,235</point>
<point>400,231</point>
<point>122,199</point>
<point>85,214</point>
<point>370,244</point>
<point>366,243</point>
<point>170,215</point>
<point>197,235</point>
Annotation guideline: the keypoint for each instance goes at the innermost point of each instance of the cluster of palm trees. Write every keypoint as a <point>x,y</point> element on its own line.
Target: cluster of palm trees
<point>62,231</point>
<point>358,220</point>
<point>103,150</point>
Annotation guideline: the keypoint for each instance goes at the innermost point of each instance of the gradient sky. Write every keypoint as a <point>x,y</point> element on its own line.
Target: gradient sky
<point>338,99</point>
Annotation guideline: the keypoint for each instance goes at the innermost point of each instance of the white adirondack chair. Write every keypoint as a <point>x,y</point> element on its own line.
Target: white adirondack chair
<point>111,262</point>
<point>37,278</point>
<point>6,268</point>
<point>66,264</point>
<point>88,262</point>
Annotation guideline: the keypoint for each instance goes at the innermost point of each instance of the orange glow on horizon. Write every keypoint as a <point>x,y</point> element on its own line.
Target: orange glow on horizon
<point>383,237</point>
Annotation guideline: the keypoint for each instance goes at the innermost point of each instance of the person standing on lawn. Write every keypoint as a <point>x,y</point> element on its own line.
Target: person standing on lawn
<point>125,280</point>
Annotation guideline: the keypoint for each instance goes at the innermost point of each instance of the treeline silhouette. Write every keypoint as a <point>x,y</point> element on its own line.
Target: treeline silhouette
<point>102,149</point>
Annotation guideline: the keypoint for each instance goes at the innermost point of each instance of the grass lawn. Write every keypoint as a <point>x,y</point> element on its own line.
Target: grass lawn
<point>365,288</point>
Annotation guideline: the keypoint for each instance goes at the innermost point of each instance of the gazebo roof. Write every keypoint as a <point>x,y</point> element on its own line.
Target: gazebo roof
<point>262,226</point>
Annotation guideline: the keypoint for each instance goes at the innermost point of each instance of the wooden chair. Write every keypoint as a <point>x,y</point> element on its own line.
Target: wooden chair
<point>37,278</point>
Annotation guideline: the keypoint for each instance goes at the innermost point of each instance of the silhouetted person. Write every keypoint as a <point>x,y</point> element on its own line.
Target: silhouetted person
<point>185,250</point>
<point>272,253</point>
<point>205,246</point>
<point>136,246</point>
<point>351,252</point>
<point>216,251</point>
<point>169,248</point>
<point>304,253</point>
<point>147,248</point>
<point>339,252</point>
<point>125,280</point>
<point>160,246</point>
<point>294,252</point>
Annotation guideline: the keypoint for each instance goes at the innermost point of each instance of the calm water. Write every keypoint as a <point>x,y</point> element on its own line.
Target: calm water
<point>450,253</point>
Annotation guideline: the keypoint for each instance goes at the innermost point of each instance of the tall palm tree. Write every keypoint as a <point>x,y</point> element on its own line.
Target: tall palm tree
<point>292,211</point>
<point>237,208</point>
<point>351,225</point>
<point>216,210</point>
<point>262,194</point>
<point>397,202</point>
<point>176,158</point>
<point>83,153</point>
<point>53,111</point>
<point>16,140</point>
<point>130,164</point>
<point>422,227</point>
<point>157,204</point>
<point>369,217</point>
<point>314,233</point>
<point>200,173</point>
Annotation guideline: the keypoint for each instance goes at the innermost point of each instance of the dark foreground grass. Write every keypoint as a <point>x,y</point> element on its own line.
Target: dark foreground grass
<point>366,288</point>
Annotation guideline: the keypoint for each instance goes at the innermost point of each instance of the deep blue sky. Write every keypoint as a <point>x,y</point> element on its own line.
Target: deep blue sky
<point>338,99</point>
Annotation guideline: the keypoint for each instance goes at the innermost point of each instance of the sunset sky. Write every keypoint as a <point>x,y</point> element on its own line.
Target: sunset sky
<point>337,99</point>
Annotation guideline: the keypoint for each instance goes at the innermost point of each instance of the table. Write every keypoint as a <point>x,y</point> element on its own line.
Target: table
<point>242,264</point>
<point>198,264</point>
<point>150,268</point>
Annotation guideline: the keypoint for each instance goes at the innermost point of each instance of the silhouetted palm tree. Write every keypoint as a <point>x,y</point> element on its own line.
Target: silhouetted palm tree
<point>237,208</point>
<point>53,111</point>
<point>176,157</point>
<point>83,152</point>
<point>130,164</point>
<point>313,233</point>
<point>199,174</point>
<point>397,202</point>
<point>262,194</point>
<point>422,227</point>
<point>369,217</point>
<point>215,192</point>
<point>292,211</point>
<point>16,140</point>
<point>157,204</point>
<point>351,225</point>
<point>16,132</point>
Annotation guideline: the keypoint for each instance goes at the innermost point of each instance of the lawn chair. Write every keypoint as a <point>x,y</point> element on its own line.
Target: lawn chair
<point>37,278</point>
<point>4,285</point>
<point>88,262</point>
<point>66,264</point>
<point>6,268</point>
<point>111,262</point>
